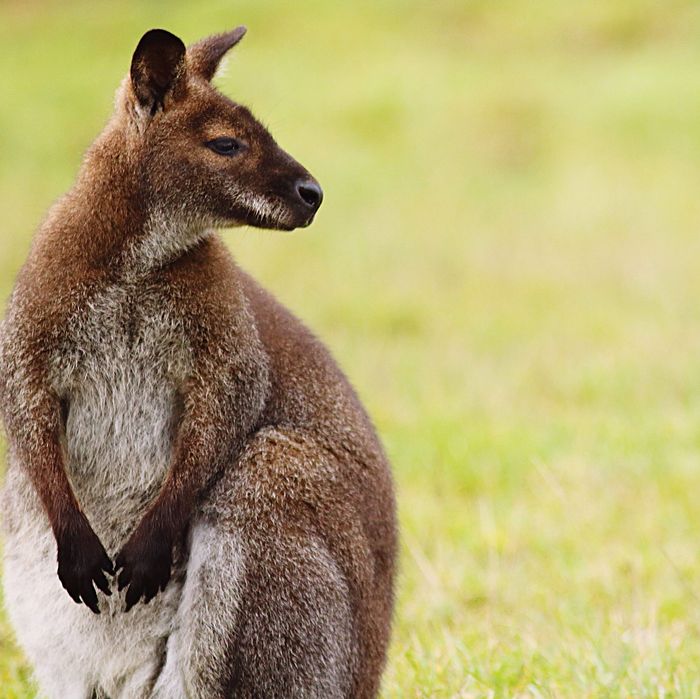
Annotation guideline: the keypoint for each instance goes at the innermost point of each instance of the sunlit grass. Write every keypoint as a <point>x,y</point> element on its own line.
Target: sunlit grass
<point>507,265</point>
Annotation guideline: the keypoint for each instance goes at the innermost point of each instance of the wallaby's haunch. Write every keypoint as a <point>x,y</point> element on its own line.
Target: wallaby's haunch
<point>172,424</point>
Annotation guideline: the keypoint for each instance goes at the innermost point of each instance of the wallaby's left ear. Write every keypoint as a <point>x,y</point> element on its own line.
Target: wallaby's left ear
<point>157,68</point>
<point>203,58</point>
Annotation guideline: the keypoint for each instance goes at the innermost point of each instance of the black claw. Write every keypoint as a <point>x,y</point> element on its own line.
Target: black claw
<point>91,605</point>
<point>107,565</point>
<point>102,583</point>
<point>90,597</point>
<point>133,595</point>
<point>74,596</point>
<point>124,579</point>
<point>130,603</point>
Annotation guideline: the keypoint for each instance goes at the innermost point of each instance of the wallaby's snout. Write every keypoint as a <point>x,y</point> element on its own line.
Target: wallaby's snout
<point>203,153</point>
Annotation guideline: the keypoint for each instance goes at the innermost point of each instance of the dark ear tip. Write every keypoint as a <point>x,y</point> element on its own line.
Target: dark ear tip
<point>160,38</point>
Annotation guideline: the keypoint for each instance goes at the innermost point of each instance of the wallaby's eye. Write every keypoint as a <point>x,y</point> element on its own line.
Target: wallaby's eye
<point>225,146</point>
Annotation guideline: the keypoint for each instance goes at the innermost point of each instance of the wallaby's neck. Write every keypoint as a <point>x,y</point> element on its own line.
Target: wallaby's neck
<point>110,217</point>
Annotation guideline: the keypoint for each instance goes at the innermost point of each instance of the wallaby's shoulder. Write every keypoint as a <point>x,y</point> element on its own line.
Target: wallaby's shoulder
<point>61,273</point>
<point>308,389</point>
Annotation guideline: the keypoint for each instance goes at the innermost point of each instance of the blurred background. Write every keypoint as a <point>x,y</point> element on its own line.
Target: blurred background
<point>507,265</point>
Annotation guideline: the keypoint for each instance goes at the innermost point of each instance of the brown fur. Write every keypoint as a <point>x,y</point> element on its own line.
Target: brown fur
<point>271,440</point>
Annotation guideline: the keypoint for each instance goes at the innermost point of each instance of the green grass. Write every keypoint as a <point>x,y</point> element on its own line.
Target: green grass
<point>507,265</point>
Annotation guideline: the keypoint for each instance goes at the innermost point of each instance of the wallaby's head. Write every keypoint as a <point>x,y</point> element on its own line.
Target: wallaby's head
<point>198,152</point>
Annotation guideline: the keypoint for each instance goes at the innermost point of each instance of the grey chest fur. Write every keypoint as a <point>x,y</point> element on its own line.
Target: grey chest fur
<point>119,373</point>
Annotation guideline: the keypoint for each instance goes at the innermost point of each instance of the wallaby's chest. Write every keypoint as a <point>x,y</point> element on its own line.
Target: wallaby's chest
<point>127,334</point>
<point>120,368</point>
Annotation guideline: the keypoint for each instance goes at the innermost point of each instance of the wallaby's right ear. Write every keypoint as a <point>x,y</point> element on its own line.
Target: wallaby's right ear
<point>157,69</point>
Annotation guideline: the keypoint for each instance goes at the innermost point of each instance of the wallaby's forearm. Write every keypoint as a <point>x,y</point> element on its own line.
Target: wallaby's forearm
<point>32,416</point>
<point>222,406</point>
<point>199,454</point>
<point>42,459</point>
<point>198,457</point>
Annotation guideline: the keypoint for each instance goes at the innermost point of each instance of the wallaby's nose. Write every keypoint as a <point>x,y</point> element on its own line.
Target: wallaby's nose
<point>311,193</point>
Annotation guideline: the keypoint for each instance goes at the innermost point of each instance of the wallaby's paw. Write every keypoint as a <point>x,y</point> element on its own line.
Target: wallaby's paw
<point>145,563</point>
<point>81,562</point>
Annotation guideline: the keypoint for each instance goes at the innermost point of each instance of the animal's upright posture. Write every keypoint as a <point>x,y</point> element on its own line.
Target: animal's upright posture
<point>172,424</point>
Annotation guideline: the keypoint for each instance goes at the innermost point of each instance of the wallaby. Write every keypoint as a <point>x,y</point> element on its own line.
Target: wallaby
<point>171,424</point>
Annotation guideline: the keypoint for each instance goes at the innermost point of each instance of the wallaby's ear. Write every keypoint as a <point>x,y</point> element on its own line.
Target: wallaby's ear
<point>204,57</point>
<point>157,68</point>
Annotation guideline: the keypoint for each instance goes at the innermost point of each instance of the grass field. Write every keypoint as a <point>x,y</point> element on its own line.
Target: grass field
<point>507,265</point>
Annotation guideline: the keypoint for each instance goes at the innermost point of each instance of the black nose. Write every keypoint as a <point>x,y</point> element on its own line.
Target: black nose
<point>310,192</point>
